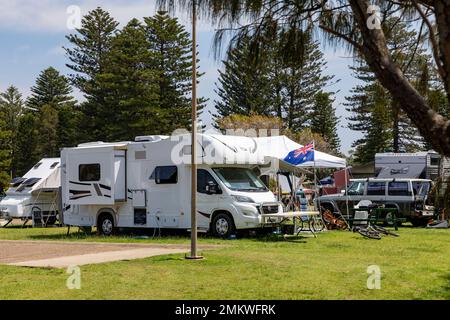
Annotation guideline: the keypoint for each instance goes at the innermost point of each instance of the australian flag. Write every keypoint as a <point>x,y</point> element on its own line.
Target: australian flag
<point>301,155</point>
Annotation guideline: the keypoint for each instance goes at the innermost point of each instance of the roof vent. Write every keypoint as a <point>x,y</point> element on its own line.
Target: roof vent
<point>148,139</point>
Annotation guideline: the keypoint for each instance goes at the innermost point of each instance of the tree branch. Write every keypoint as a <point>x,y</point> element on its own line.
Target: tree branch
<point>433,39</point>
<point>342,36</point>
<point>375,50</point>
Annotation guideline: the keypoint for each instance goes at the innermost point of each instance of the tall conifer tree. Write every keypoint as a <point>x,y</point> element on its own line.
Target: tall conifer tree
<point>171,49</point>
<point>88,57</point>
<point>11,109</point>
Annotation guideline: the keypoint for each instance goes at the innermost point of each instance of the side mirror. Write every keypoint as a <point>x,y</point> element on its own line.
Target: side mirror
<point>212,188</point>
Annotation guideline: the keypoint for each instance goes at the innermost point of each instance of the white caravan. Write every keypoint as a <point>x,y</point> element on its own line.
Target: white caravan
<point>143,184</point>
<point>35,194</point>
<point>419,165</point>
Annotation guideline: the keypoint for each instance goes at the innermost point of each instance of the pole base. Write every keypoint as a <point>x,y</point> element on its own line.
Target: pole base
<point>194,257</point>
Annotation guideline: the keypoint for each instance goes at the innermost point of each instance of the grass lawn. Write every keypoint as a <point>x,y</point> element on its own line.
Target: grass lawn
<point>334,266</point>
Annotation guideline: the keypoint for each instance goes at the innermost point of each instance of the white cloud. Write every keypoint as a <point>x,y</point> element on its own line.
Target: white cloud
<point>52,16</point>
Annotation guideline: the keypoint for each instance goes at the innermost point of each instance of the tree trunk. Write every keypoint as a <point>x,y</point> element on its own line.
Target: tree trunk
<point>434,127</point>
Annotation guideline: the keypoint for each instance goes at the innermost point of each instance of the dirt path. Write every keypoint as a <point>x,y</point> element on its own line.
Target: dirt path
<point>63,254</point>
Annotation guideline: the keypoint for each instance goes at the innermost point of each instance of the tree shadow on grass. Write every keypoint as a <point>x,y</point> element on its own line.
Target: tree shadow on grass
<point>166,234</point>
<point>278,238</point>
<point>17,227</point>
<point>78,234</point>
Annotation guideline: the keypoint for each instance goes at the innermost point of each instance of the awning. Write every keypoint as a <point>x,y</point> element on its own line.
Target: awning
<point>280,146</point>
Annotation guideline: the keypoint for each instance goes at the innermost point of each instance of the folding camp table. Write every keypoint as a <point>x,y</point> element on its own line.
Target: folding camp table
<point>301,216</point>
<point>376,215</point>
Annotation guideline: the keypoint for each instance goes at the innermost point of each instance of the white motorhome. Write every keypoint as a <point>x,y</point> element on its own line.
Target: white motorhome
<point>143,184</point>
<point>35,194</point>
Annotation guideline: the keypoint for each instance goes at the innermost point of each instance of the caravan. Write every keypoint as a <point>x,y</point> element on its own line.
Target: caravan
<point>35,195</point>
<point>147,184</point>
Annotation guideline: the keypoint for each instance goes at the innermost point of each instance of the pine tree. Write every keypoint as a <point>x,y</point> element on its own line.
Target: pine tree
<point>130,84</point>
<point>244,84</point>
<point>267,81</point>
<point>11,109</point>
<point>374,113</point>
<point>324,120</point>
<point>51,88</point>
<point>52,100</point>
<point>47,131</point>
<point>26,143</point>
<point>369,106</point>
<point>5,154</point>
<point>303,78</point>
<point>171,49</point>
<point>88,57</point>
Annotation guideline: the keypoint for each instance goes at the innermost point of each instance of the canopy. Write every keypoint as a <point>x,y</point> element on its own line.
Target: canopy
<point>279,147</point>
<point>276,147</point>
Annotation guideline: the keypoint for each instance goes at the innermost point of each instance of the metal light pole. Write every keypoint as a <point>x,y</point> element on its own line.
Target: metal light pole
<point>194,255</point>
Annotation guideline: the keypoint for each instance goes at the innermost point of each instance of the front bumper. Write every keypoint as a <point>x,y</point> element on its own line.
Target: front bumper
<point>250,215</point>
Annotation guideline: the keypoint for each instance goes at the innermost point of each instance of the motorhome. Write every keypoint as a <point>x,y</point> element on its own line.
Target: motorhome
<point>146,183</point>
<point>35,195</point>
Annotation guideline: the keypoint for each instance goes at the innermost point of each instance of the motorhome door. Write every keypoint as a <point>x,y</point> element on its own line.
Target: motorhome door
<point>120,183</point>
<point>90,177</point>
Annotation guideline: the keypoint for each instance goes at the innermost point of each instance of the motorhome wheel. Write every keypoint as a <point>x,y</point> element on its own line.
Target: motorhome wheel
<point>223,225</point>
<point>106,225</point>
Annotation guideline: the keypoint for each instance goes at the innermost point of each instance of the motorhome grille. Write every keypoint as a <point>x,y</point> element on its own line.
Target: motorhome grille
<point>273,208</point>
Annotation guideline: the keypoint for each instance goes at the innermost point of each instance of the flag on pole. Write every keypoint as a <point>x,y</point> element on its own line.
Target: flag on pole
<point>301,155</point>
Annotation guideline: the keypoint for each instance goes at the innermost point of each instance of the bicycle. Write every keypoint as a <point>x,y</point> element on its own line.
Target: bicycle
<point>372,231</point>
<point>311,223</point>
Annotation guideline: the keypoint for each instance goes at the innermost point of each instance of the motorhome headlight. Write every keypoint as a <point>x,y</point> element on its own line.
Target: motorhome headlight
<point>243,199</point>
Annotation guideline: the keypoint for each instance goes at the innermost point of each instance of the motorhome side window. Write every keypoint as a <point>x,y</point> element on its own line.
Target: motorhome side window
<point>376,189</point>
<point>165,175</point>
<point>204,179</point>
<point>89,172</point>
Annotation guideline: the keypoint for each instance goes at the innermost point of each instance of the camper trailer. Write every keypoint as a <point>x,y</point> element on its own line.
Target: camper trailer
<point>419,165</point>
<point>35,195</point>
<point>143,184</point>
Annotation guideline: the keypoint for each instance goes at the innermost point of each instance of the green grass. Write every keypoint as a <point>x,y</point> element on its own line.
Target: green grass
<point>333,266</point>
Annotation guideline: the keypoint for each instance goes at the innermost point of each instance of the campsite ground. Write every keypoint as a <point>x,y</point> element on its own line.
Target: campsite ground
<point>333,266</point>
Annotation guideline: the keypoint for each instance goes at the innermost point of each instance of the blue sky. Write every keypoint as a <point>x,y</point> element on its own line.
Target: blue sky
<point>32,34</point>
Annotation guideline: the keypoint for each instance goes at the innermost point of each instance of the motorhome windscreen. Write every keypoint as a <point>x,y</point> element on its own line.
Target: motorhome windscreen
<point>240,179</point>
